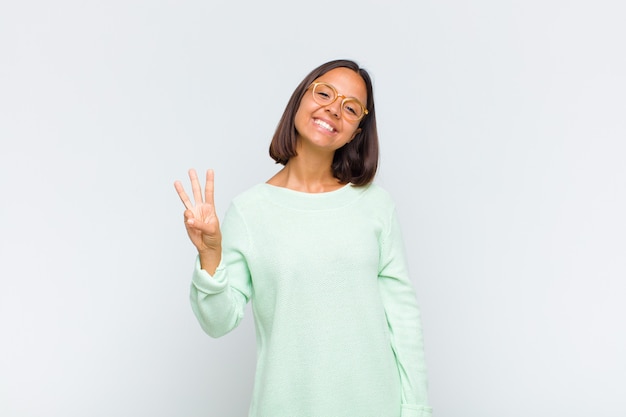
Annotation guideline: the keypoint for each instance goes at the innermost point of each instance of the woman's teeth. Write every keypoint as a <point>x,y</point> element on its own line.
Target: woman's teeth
<point>324,125</point>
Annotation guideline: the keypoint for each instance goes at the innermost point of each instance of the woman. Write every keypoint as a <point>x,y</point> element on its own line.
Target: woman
<point>318,250</point>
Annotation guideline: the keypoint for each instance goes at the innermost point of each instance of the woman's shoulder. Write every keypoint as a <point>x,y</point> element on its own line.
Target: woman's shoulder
<point>249,196</point>
<point>377,193</point>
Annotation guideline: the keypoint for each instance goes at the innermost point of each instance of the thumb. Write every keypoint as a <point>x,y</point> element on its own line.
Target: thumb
<point>188,214</point>
<point>190,219</point>
<point>207,227</point>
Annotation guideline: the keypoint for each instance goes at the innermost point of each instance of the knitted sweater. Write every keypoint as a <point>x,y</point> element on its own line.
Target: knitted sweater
<point>337,322</point>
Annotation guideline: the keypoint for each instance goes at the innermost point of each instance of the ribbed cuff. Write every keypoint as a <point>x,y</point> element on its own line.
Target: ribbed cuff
<point>209,284</point>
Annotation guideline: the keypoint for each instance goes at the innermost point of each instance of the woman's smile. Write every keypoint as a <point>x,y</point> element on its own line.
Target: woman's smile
<point>324,125</point>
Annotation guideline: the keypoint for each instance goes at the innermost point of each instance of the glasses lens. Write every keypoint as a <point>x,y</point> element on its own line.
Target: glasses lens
<point>324,94</point>
<point>352,109</point>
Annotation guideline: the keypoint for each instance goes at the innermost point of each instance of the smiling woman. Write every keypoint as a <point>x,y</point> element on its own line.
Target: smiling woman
<point>318,250</point>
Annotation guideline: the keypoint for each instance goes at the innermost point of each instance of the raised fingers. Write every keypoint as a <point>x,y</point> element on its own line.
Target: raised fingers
<point>183,195</point>
<point>209,187</point>
<point>196,189</point>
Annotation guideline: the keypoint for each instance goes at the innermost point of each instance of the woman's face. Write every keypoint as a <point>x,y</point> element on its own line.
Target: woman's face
<point>325,127</point>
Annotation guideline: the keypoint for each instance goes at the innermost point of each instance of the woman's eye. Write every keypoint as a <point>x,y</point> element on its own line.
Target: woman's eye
<point>350,110</point>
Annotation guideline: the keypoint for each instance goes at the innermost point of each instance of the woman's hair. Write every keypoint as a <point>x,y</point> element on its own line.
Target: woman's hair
<point>355,162</point>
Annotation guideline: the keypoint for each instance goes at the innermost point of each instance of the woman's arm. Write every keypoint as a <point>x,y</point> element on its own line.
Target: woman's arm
<point>219,300</point>
<point>403,319</point>
<point>221,281</point>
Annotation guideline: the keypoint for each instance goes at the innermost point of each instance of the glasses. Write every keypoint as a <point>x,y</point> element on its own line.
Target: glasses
<point>325,94</point>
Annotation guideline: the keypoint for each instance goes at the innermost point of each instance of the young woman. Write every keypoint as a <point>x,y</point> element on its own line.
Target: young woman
<point>318,250</point>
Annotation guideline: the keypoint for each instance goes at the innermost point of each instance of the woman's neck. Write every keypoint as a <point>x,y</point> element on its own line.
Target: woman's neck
<point>307,175</point>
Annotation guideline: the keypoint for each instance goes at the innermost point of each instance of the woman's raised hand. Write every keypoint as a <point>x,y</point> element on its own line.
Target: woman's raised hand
<point>201,220</point>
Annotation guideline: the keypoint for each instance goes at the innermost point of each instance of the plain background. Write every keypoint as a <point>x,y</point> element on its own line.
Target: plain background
<point>502,128</point>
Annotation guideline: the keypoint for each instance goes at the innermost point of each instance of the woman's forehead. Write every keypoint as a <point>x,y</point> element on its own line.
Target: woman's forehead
<point>346,81</point>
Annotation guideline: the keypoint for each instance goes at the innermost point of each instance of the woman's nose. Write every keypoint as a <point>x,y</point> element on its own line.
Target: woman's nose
<point>334,108</point>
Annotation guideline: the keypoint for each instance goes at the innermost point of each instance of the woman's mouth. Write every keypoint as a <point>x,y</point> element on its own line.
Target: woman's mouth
<point>324,125</point>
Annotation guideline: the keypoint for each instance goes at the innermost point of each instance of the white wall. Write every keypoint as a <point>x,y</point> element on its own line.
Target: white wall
<point>502,127</point>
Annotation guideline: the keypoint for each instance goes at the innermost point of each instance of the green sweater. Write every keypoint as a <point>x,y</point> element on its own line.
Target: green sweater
<point>337,322</point>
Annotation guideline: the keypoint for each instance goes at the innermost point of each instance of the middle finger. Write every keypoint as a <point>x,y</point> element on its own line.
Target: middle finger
<point>195,187</point>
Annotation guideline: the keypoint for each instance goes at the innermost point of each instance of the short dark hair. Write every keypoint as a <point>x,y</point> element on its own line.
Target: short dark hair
<point>357,161</point>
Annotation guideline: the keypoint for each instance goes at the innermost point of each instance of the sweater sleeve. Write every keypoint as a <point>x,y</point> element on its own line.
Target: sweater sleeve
<point>403,319</point>
<point>218,301</point>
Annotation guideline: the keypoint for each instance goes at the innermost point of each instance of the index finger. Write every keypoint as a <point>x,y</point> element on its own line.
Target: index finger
<point>209,187</point>
<point>183,195</point>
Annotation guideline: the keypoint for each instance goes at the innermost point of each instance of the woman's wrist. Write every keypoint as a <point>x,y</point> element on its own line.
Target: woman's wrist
<point>210,259</point>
